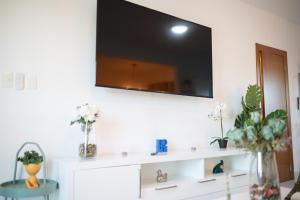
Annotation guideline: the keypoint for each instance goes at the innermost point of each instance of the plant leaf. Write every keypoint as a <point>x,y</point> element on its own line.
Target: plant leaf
<point>267,133</point>
<point>245,108</point>
<point>277,114</point>
<point>236,134</point>
<point>212,142</point>
<point>253,97</point>
<point>239,121</point>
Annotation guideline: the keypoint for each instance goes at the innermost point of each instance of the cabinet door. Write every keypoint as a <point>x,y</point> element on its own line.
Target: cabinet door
<point>114,183</point>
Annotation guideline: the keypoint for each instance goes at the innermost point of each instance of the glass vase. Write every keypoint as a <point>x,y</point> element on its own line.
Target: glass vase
<point>88,149</point>
<point>264,182</point>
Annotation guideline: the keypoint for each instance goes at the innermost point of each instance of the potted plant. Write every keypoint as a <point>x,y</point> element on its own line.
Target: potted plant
<point>217,114</point>
<point>263,136</point>
<point>32,163</point>
<point>86,117</point>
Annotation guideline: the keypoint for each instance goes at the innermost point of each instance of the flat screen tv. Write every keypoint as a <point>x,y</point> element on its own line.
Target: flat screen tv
<point>142,49</point>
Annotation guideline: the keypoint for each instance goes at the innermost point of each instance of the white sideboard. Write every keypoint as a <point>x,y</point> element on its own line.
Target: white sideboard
<point>114,177</point>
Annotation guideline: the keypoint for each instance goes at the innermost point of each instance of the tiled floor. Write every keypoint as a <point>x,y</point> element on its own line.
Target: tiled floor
<point>288,184</point>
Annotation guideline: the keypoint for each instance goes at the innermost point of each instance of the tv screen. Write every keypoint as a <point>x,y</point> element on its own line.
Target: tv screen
<point>142,49</point>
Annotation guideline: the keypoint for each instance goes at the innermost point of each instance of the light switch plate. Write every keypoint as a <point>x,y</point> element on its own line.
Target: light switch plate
<point>31,82</point>
<point>20,81</point>
<point>7,80</point>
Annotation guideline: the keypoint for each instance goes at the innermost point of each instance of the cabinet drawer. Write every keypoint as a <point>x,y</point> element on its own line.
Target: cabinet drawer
<point>239,180</point>
<point>163,192</point>
<point>113,183</point>
<point>209,185</point>
<point>184,189</point>
<point>194,188</point>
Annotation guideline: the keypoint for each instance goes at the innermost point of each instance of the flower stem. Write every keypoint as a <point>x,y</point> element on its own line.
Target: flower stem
<point>221,119</point>
<point>86,140</point>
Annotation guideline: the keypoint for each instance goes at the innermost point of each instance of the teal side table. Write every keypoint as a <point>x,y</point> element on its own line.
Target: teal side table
<point>16,189</point>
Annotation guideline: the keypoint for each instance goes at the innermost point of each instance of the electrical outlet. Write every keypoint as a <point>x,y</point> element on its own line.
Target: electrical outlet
<point>7,80</point>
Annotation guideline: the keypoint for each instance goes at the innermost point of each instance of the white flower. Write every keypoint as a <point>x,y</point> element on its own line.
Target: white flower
<point>83,110</point>
<point>94,111</point>
<point>86,114</point>
<point>215,114</point>
<point>91,117</point>
<point>220,106</point>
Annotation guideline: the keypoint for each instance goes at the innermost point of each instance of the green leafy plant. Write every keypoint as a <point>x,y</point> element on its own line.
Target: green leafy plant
<point>252,131</point>
<point>31,157</point>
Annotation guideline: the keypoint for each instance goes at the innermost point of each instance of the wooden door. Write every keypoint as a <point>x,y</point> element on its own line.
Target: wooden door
<point>272,76</point>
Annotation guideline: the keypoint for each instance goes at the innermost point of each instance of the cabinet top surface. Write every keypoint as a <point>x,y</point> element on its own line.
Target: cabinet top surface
<point>146,158</point>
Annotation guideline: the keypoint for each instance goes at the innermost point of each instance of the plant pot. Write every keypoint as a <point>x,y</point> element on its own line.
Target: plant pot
<point>264,181</point>
<point>222,143</point>
<point>32,170</point>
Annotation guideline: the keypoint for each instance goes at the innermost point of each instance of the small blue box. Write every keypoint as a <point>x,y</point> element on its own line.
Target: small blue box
<point>161,146</point>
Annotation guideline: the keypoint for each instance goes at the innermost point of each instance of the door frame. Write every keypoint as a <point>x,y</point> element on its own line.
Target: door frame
<point>260,80</point>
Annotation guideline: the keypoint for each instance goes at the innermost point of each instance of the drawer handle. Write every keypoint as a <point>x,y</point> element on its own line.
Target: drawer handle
<point>167,187</point>
<point>238,175</point>
<point>206,181</point>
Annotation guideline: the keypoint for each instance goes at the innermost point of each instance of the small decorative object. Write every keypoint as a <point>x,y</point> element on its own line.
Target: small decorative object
<point>263,136</point>
<point>86,117</point>
<point>161,177</point>
<point>295,189</point>
<point>161,146</point>
<point>32,163</point>
<point>124,154</point>
<point>193,148</point>
<point>218,169</point>
<point>217,114</point>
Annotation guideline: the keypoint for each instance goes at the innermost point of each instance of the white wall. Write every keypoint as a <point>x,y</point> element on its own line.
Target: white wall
<point>55,40</point>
